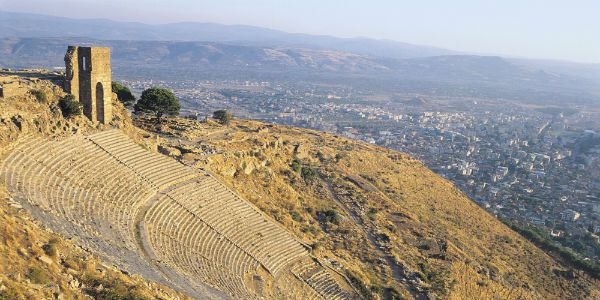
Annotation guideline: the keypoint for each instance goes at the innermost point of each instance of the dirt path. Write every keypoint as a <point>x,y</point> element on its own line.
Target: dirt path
<point>397,270</point>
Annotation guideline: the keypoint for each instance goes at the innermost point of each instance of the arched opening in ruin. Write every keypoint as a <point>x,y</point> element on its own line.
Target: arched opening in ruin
<point>100,102</point>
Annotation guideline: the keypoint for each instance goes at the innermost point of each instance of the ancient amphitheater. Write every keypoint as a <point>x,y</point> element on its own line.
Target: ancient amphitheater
<point>151,215</point>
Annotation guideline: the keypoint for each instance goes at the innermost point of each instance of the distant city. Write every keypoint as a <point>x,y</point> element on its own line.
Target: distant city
<point>530,164</point>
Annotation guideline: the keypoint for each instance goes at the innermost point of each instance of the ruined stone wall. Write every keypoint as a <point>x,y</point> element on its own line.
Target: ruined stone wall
<point>88,78</point>
<point>101,83</point>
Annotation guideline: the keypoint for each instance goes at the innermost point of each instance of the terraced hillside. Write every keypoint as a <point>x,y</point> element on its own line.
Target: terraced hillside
<point>154,216</point>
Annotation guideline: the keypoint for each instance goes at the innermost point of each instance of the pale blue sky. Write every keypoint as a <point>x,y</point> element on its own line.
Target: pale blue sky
<point>548,29</point>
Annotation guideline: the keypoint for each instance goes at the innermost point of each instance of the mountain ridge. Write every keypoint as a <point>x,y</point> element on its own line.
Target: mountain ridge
<point>457,75</point>
<point>30,25</point>
<point>18,24</point>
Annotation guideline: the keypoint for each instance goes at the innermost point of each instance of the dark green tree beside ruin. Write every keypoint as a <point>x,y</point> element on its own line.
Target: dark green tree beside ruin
<point>223,116</point>
<point>69,106</point>
<point>158,101</point>
<point>123,93</point>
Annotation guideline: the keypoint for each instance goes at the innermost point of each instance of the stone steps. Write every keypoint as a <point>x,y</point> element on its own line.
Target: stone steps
<point>233,217</point>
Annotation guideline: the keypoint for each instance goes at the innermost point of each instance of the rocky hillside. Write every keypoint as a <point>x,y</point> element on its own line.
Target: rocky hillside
<point>393,226</point>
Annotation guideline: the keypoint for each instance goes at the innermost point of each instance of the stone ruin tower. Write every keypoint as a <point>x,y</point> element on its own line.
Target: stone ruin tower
<point>88,80</point>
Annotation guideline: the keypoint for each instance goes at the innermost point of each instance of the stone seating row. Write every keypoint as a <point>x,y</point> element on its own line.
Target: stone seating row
<point>79,182</point>
<point>319,278</point>
<point>160,170</point>
<point>270,244</point>
<point>182,239</point>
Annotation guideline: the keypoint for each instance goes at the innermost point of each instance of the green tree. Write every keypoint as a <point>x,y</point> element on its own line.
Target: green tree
<point>158,101</point>
<point>123,93</point>
<point>223,116</point>
<point>69,106</point>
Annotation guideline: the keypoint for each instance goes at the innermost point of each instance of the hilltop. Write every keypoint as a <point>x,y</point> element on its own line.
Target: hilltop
<point>374,221</point>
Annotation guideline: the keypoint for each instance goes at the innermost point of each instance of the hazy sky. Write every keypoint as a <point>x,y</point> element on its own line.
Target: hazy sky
<point>556,29</point>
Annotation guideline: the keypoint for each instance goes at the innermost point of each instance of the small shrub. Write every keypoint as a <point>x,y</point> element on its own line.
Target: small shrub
<point>504,238</point>
<point>69,106</point>
<point>308,173</point>
<point>123,93</point>
<point>376,289</point>
<point>369,178</point>
<point>360,286</point>
<point>39,95</point>
<point>372,213</point>
<point>395,294</point>
<point>296,216</point>
<point>329,216</point>
<point>314,246</point>
<point>421,276</point>
<point>110,294</point>
<point>38,276</point>
<point>50,248</point>
<point>296,166</point>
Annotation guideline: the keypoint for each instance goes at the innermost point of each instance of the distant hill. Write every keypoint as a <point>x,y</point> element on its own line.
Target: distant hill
<point>49,53</point>
<point>34,25</point>
<point>588,71</point>
<point>454,75</point>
